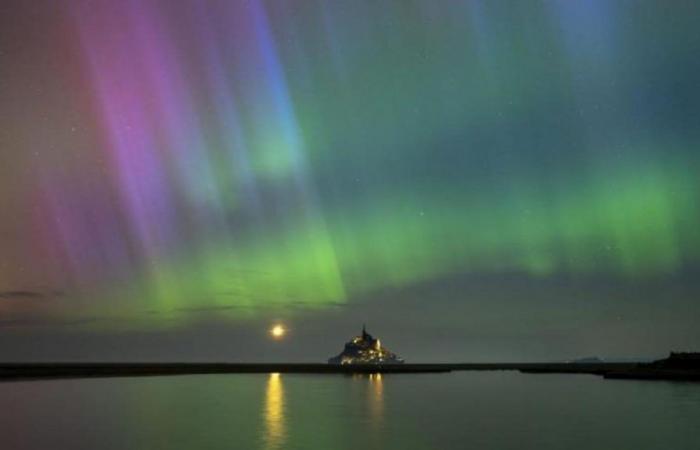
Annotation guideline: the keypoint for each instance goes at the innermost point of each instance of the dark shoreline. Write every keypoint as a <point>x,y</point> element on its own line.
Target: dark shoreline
<point>39,371</point>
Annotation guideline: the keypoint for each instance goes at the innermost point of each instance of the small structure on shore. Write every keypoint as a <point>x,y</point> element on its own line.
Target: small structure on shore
<point>364,349</point>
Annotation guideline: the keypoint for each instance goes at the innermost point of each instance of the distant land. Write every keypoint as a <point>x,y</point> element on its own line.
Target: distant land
<point>678,367</point>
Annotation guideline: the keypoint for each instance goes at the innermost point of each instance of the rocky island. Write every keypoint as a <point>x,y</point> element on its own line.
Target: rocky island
<point>365,349</point>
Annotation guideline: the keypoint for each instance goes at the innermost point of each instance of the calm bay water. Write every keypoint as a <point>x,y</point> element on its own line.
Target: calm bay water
<point>487,410</point>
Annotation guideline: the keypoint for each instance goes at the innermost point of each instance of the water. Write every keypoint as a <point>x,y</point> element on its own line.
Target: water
<point>487,410</point>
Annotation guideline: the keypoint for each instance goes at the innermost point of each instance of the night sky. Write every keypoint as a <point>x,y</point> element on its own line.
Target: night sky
<point>477,180</point>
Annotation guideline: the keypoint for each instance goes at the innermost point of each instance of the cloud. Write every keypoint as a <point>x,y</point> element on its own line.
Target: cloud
<point>46,322</point>
<point>17,295</point>
<point>29,295</point>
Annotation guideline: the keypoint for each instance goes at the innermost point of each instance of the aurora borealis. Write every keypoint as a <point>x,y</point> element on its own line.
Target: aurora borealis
<point>254,159</point>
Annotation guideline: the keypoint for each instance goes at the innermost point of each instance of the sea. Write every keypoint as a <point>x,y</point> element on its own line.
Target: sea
<point>458,410</point>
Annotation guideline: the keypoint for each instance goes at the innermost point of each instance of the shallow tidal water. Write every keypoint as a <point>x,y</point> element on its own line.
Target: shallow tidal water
<point>479,410</point>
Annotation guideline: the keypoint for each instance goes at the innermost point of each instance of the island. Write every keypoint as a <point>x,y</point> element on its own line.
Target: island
<point>365,349</point>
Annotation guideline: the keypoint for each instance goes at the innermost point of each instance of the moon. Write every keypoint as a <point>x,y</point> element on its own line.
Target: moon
<point>278,331</point>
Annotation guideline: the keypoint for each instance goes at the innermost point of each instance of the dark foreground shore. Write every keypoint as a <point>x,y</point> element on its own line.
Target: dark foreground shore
<point>83,370</point>
<point>37,371</point>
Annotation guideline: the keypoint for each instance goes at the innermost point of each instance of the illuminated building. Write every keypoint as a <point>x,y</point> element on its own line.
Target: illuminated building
<point>365,349</point>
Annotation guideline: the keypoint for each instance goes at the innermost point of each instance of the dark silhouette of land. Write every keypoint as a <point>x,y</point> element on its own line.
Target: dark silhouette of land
<point>678,366</point>
<point>14,371</point>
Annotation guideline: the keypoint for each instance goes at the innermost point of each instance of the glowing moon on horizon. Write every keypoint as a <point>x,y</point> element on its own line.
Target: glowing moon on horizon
<point>278,331</point>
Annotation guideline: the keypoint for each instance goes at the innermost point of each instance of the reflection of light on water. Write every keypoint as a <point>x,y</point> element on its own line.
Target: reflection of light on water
<point>376,398</point>
<point>275,427</point>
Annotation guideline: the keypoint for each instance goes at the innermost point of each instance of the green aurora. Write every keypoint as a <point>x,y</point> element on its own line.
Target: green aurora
<point>285,156</point>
